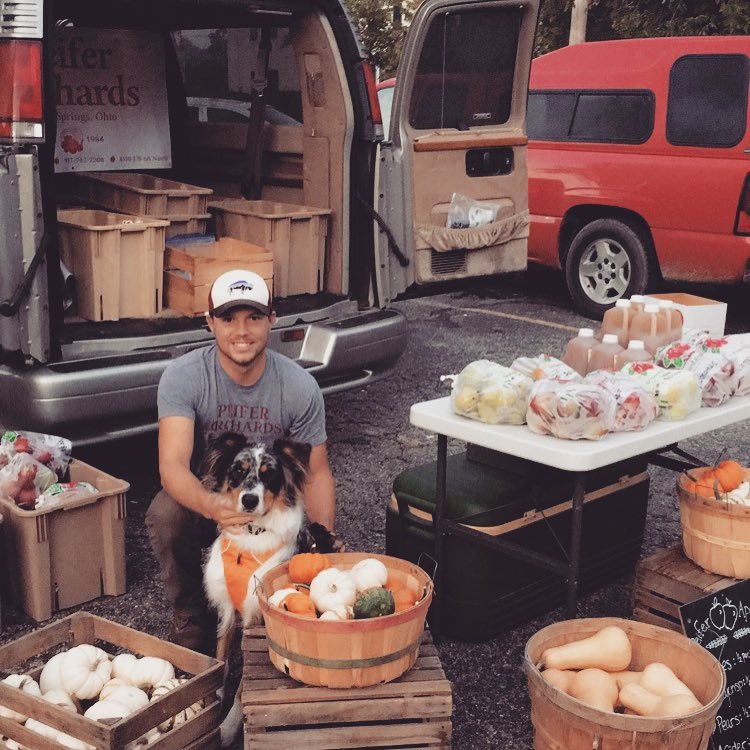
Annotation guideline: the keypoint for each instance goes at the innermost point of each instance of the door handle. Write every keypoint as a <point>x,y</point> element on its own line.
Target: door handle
<point>489,162</point>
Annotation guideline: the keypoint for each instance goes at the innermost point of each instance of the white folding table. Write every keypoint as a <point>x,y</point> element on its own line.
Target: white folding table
<point>576,456</point>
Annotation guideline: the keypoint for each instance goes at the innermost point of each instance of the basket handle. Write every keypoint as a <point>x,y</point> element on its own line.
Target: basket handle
<point>259,589</point>
<point>424,556</point>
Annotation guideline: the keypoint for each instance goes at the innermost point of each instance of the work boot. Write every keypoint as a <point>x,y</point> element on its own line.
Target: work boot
<point>194,630</point>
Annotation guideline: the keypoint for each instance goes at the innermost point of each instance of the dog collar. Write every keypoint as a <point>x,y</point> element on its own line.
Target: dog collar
<point>255,530</point>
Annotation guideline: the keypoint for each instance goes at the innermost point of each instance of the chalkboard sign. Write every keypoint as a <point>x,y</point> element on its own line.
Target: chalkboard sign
<point>720,623</point>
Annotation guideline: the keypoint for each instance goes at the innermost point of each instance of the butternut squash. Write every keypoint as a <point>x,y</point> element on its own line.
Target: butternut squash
<point>625,677</point>
<point>645,703</point>
<point>608,649</point>
<point>595,688</point>
<point>660,679</point>
<point>560,678</point>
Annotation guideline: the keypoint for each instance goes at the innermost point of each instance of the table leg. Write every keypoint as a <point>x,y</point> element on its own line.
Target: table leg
<point>441,471</point>
<point>574,555</point>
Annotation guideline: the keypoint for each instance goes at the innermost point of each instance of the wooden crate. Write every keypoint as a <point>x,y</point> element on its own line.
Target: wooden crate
<point>28,654</point>
<point>667,580</point>
<point>413,711</point>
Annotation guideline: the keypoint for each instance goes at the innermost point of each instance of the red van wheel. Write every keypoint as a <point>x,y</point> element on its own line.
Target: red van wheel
<point>607,260</point>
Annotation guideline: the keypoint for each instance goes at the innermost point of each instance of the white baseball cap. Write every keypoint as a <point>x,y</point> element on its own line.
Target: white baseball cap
<point>239,288</point>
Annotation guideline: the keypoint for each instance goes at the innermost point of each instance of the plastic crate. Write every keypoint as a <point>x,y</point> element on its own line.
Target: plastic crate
<point>141,194</point>
<point>117,262</point>
<point>70,553</point>
<point>295,234</point>
<point>179,225</point>
<point>28,653</point>
<point>190,270</point>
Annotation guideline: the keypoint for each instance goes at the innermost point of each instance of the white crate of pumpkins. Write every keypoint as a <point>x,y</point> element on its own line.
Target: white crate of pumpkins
<point>345,619</point>
<point>616,683</point>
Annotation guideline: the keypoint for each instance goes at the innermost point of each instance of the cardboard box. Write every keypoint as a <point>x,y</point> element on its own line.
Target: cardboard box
<point>64,555</point>
<point>698,312</point>
<point>28,654</point>
<point>295,234</point>
<point>190,270</point>
<point>116,260</point>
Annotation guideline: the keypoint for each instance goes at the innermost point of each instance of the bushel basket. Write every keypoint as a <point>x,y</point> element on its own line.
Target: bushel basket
<point>351,653</point>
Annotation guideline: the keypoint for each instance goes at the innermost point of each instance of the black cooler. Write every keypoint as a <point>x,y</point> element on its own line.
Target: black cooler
<point>486,590</point>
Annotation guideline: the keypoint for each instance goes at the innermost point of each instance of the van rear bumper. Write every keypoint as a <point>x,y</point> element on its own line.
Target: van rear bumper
<point>98,399</point>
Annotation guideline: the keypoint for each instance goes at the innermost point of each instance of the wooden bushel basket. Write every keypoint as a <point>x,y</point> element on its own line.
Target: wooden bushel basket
<point>561,721</point>
<point>351,653</point>
<point>715,533</point>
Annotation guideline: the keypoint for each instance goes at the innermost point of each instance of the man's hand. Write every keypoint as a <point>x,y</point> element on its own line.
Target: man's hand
<point>222,510</point>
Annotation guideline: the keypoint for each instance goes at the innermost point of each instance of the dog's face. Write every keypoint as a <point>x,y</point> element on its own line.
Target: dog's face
<point>255,476</point>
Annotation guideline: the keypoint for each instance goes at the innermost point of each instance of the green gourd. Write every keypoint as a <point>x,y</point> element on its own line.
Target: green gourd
<point>375,602</point>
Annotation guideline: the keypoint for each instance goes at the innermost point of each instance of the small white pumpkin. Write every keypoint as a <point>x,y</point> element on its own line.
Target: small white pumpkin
<point>182,716</point>
<point>106,710</point>
<point>50,678</point>
<point>60,698</point>
<point>85,670</point>
<point>113,683</point>
<point>129,695</point>
<point>278,596</point>
<point>123,665</point>
<point>27,685</point>
<point>369,574</point>
<point>333,588</point>
<point>151,670</point>
<point>337,613</point>
<point>43,729</point>
<point>145,740</point>
<point>9,744</point>
<point>72,742</point>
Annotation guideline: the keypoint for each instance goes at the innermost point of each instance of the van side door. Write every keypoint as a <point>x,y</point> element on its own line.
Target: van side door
<point>458,126</point>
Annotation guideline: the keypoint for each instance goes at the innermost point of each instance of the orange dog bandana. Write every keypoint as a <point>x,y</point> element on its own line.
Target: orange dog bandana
<point>239,566</point>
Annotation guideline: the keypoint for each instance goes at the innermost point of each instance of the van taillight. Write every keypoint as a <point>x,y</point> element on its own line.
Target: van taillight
<point>21,92</point>
<point>372,93</point>
<point>743,211</point>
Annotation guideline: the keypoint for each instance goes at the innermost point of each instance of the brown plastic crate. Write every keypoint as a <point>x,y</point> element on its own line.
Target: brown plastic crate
<point>141,194</point>
<point>186,224</point>
<point>28,653</point>
<point>116,260</point>
<point>667,580</point>
<point>295,234</point>
<point>413,711</point>
<point>71,553</point>
<point>190,270</point>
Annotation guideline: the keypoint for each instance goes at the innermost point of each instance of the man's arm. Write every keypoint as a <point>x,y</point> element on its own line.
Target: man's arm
<point>320,489</point>
<point>175,451</point>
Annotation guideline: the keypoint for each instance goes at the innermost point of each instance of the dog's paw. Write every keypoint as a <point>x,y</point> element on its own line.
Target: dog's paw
<point>317,538</point>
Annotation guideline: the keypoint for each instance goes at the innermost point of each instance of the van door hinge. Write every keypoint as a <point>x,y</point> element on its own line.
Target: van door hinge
<point>9,308</point>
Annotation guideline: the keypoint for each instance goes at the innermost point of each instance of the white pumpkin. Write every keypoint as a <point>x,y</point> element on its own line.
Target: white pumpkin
<point>107,709</point>
<point>72,742</point>
<point>43,729</point>
<point>333,588</point>
<point>151,670</point>
<point>122,667</point>
<point>113,683</point>
<point>145,740</point>
<point>22,682</point>
<point>278,596</point>
<point>60,698</point>
<point>182,716</point>
<point>337,613</point>
<point>85,670</point>
<point>369,574</point>
<point>130,695</point>
<point>9,744</point>
<point>50,678</point>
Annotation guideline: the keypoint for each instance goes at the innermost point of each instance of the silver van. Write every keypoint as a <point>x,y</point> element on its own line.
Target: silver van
<point>126,87</point>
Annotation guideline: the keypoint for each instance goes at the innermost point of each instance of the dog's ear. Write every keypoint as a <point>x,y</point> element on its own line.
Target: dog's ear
<point>218,457</point>
<point>294,456</point>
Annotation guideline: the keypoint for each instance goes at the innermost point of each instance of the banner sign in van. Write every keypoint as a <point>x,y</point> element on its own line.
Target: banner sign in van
<point>111,101</point>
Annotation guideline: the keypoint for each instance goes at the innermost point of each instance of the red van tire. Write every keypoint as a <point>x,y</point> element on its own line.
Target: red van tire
<point>608,259</point>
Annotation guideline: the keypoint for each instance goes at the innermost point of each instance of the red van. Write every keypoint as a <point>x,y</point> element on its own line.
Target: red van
<point>639,165</point>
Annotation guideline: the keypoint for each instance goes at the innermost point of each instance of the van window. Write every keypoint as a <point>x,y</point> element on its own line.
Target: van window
<point>465,73</point>
<point>604,116</point>
<point>219,66</point>
<point>707,103</point>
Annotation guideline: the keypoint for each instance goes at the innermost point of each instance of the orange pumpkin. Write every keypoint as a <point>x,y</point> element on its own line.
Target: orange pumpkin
<point>704,485</point>
<point>730,475</point>
<point>304,566</point>
<point>402,595</point>
<point>299,604</point>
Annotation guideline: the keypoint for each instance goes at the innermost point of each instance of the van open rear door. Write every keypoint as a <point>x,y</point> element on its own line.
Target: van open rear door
<point>458,125</point>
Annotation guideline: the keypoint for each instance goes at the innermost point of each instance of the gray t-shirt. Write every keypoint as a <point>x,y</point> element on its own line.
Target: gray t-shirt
<point>285,402</point>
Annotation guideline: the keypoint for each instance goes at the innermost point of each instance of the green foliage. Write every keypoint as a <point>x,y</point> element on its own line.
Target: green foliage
<point>625,19</point>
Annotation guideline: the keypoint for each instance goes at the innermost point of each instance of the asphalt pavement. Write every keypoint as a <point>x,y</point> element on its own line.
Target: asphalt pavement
<point>371,441</point>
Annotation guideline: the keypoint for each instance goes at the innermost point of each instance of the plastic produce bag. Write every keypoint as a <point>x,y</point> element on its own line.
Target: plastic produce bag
<point>545,366</point>
<point>490,393</point>
<point>636,408</point>
<point>466,212</point>
<point>676,392</point>
<point>50,450</point>
<point>60,493</point>
<point>572,411</point>
<point>736,348</point>
<point>23,479</point>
